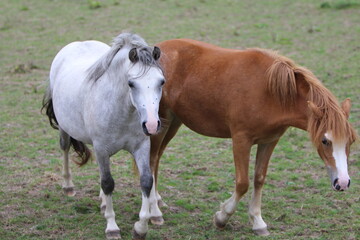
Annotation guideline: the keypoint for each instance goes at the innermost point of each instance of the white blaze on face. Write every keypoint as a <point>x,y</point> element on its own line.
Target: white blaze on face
<point>339,154</point>
<point>153,97</point>
<point>146,95</point>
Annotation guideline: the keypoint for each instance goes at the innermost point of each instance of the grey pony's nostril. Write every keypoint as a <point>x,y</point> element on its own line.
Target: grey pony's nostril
<point>349,183</point>
<point>337,187</point>
<point>145,129</point>
<point>159,125</point>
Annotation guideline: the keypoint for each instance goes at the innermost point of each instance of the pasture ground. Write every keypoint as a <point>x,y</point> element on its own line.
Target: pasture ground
<point>196,172</point>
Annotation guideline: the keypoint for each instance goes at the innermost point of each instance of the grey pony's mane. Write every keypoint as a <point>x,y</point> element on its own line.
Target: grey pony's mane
<point>124,39</point>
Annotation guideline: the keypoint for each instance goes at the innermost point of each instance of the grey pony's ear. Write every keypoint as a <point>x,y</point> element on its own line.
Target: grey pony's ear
<point>133,56</point>
<point>156,53</point>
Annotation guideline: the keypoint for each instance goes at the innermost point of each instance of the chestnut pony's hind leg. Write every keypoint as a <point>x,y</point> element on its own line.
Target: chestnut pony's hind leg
<point>241,151</point>
<point>263,154</point>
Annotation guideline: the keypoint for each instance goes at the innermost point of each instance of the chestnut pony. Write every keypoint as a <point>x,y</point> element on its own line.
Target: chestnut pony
<point>251,96</point>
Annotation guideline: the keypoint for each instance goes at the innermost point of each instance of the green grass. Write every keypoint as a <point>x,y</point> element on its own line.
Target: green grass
<point>196,172</point>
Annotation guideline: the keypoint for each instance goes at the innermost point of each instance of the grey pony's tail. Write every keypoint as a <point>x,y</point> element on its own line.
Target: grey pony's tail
<point>79,147</point>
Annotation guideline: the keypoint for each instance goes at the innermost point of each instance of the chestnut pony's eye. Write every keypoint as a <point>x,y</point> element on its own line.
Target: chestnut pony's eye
<point>325,141</point>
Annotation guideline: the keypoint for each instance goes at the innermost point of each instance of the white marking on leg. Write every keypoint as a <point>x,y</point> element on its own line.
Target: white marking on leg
<point>158,197</point>
<point>111,225</point>
<point>103,201</point>
<point>161,203</point>
<point>154,207</point>
<point>227,209</point>
<point>67,183</point>
<point>141,226</point>
<point>255,211</point>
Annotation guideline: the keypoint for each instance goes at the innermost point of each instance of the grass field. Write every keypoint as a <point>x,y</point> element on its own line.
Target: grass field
<point>196,172</point>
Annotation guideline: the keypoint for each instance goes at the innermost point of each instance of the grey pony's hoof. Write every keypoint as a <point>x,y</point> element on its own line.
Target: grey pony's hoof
<point>157,220</point>
<point>261,232</point>
<point>219,225</point>
<point>69,191</point>
<point>115,234</point>
<point>136,236</point>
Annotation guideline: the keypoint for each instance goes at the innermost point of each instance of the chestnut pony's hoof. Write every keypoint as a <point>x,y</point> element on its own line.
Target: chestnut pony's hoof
<point>69,191</point>
<point>162,204</point>
<point>115,234</point>
<point>218,224</point>
<point>261,232</point>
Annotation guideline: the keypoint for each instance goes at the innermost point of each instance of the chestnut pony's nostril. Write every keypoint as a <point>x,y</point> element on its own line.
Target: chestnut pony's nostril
<point>335,182</point>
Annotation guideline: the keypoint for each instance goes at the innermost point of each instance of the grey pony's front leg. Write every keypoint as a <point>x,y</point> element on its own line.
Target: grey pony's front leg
<point>107,185</point>
<point>149,206</point>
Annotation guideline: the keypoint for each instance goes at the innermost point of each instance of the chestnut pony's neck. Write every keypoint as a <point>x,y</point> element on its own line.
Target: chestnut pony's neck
<point>295,88</point>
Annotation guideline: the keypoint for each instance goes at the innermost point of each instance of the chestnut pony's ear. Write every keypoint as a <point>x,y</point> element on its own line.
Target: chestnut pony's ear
<point>314,109</point>
<point>133,56</point>
<point>346,106</point>
<point>156,53</point>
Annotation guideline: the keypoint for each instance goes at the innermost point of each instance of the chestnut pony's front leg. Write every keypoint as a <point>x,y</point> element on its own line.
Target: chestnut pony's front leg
<point>263,154</point>
<point>158,145</point>
<point>241,151</point>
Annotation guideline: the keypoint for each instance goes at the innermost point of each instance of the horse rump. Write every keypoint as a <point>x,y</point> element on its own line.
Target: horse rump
<point>47,105</point>
<point>80,148</point>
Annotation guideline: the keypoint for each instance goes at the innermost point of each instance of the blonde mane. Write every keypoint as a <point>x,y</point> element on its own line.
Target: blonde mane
<point>282,76</point>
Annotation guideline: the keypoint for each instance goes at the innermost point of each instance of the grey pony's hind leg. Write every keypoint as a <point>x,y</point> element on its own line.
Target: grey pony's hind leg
<point>68,185</point>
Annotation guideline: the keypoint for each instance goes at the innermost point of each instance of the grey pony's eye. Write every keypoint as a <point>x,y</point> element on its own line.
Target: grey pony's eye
<point>131,85</point>
<point>162,82</point>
